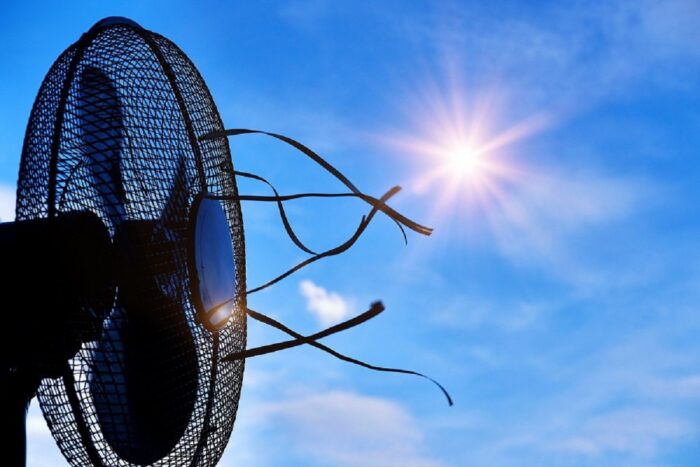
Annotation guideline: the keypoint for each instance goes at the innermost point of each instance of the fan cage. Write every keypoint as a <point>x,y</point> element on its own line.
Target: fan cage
<point>167,107</point>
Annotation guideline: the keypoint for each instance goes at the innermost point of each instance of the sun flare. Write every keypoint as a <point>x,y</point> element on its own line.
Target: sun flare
<point>464,161</point>
<point>464,148</point>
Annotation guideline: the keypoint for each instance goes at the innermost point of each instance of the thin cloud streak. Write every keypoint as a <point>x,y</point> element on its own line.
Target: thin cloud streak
<point>540,221</point>
<point>347,429</point>
<point>573,55</point>
<point>638,432</point>
<point>612,396</point>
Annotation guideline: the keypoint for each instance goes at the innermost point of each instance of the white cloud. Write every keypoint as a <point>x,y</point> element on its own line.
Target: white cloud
<point>328,307</point>
<point>638,432</point>
<point>7,203</point>
<point>346,429</point>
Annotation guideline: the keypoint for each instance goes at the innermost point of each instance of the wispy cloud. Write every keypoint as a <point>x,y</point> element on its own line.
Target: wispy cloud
<point>328,307</point>
<point>7,203</point>
<point>306,13</point>
<point>573,54</point>
<point>638,432</point>
<point>471,313</point>
<point>626,400</point>
<point>684,387</point>
<point>542,219</point>
<point>346,429</point>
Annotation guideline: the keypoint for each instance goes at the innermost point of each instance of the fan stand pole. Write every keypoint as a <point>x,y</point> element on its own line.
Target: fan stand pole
<point>17,392</point>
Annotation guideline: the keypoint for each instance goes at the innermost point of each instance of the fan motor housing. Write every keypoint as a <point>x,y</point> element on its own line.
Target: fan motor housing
<point>61,278</point>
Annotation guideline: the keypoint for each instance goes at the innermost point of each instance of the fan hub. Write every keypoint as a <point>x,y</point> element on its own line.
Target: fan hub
<point>213,267</point>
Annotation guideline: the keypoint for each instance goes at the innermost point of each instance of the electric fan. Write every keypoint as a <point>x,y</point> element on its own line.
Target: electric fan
<point>128,265</point>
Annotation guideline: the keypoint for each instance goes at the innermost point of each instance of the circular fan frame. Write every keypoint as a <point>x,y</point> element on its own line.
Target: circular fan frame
<point>166,108</point>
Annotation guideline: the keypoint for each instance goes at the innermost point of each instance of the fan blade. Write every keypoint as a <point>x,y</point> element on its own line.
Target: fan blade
<point>144,381</point>
<point>144,384</point>
<point>176,206</point>
<point>170,235</point>
<point>102,132</point>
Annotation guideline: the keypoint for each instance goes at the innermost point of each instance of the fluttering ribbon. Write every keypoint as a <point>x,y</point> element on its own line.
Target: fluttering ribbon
<point>376,204</point>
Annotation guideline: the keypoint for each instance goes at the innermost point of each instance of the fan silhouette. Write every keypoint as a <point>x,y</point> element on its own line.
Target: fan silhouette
<point>128,259</point>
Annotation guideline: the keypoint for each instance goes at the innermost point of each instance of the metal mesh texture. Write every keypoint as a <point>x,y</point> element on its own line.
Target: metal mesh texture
<point>165,107</point>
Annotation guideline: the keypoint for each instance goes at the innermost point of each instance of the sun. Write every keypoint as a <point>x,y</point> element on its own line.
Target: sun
<point>462,146</point>
<point>464,161</point>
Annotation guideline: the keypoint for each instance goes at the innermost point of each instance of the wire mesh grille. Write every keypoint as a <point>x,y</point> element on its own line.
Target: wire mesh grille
<point>143,169</point>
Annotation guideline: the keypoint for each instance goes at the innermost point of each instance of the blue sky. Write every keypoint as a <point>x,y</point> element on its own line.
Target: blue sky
<point>557,299</point>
